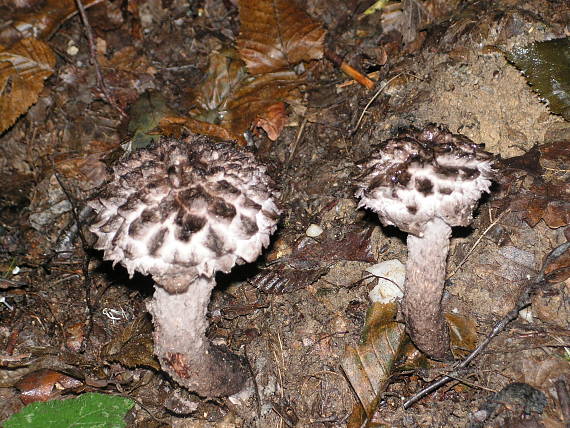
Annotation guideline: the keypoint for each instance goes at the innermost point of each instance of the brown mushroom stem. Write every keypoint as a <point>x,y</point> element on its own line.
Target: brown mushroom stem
<point>182,347</point>
<point>425,277</point>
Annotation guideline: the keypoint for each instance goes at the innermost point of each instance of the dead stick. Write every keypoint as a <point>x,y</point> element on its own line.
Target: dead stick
<point>93,58</point>
<point>85,265</point>
<point>349,70</point>
<point>563,399</point>
<point>522,302</point>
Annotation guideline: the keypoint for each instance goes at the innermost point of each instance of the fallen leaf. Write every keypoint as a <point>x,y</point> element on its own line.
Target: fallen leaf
<point>133,345</point>
<point>272,120</point>
<point>277,34</point>
<point>145,115</point>
<point>558,268</point>
<point>545,193</point>
<point>546,66</point>
<point>256,94</point>
<point>43,384</point>
<point>224,74</point>
<point>370,365</point>
<point>463,334</point>
<point>23,68</point>
<point>86,167</point>
<point>172,125</point>
<point>43,22</point>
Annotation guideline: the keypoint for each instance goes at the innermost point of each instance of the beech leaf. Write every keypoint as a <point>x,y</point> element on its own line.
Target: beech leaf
<point>370,365</point>
<point>23,68</point>
<point>277,34</point>
<point>42,21</point>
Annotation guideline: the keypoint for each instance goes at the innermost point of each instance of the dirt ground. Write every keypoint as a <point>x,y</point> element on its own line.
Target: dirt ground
<point>293,313</point>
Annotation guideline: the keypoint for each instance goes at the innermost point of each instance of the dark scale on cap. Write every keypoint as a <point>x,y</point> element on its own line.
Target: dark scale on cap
<point>448,171</point>
<point>225,188</point>
<point>189,225</point>
<point>249,203</point>
<point>469,173</point>
<point>197,206</point>
<point>131,204</point>
<point>137,228</point>
<point>424,186</point>
<point>222,209</point>
<point>112,224</point>
<point>247,226</point>
<point>174,176</point>
<point>156,241</point>
<point>150,216</point>
<point>215,243</point>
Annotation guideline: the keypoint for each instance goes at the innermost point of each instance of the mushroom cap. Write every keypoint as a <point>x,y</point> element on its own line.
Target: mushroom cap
<point>422,175</point>
<point>185,208</point>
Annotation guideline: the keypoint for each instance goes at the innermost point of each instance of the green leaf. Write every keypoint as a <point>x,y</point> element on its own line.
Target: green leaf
<point>546,66</point>
<point>145,115</point>
<point>86,411</point>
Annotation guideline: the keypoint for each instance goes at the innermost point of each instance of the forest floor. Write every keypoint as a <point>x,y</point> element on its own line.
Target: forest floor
<point>70,323</point>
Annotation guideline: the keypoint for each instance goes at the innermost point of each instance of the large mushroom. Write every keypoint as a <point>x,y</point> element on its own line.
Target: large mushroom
<point>181,211</point>
<point>424,182</point>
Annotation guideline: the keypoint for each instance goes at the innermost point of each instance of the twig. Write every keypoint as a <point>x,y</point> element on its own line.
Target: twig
<point>293,146</point>
<point>371,101</point>
<point>93,58</point>
<point>563,399</point>
<point>522,302</point>
<point>477,243</point>
<point>349,70</point>
<point>85,264</point>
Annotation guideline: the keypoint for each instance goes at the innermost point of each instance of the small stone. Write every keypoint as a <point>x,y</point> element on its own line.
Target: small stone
<point>391,277</point>
<point>314,230</point>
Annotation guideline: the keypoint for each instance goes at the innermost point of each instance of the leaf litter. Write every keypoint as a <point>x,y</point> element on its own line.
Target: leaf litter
<point>313,289</point>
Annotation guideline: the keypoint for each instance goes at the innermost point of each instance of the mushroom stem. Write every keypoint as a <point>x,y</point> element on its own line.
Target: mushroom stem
<point>425,277</point>
<point>182,347</point>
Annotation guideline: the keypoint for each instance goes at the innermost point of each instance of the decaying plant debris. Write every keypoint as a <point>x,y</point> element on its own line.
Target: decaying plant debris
<point>70,323</point>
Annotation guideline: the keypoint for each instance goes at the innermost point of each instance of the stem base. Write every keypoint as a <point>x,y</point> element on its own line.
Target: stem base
<point>181,345</point>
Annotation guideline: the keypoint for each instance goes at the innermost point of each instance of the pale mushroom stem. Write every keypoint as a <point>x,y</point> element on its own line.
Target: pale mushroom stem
<point>182,347</point>
<point>425,277</point>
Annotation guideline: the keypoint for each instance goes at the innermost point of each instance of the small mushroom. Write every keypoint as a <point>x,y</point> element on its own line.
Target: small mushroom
<point>181,211</point>
<point>424,182</point>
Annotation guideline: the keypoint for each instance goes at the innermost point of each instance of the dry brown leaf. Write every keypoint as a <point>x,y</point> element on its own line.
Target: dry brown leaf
<point>256,94</point>
<point>127,59</point>
<point>133,346</point>
<point>225,73</point>
<point>43,384</point>
<point>463,334</point>
<point>370,365</point>
<point>23,69</point>
<point>272,120</point>
<point>86,166</point>
<point>40,23</point>
<point>234,100</point>
<point>545,197</point>
<point>171,125</point>
<point>276,34</point>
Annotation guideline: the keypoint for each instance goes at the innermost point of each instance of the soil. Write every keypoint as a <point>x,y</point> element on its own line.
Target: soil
<point>293,314</point>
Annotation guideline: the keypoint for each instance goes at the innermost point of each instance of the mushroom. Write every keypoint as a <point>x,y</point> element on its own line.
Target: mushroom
<point>424,182</point>
<point>181,211</point>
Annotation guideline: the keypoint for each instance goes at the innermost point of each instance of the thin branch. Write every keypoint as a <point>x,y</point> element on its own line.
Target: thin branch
<point>93,58</point>
<point>522,302</point>
<point>85,264</point>
<point>372,100</point>
<point>477,243</point>
<point>349,70</point>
